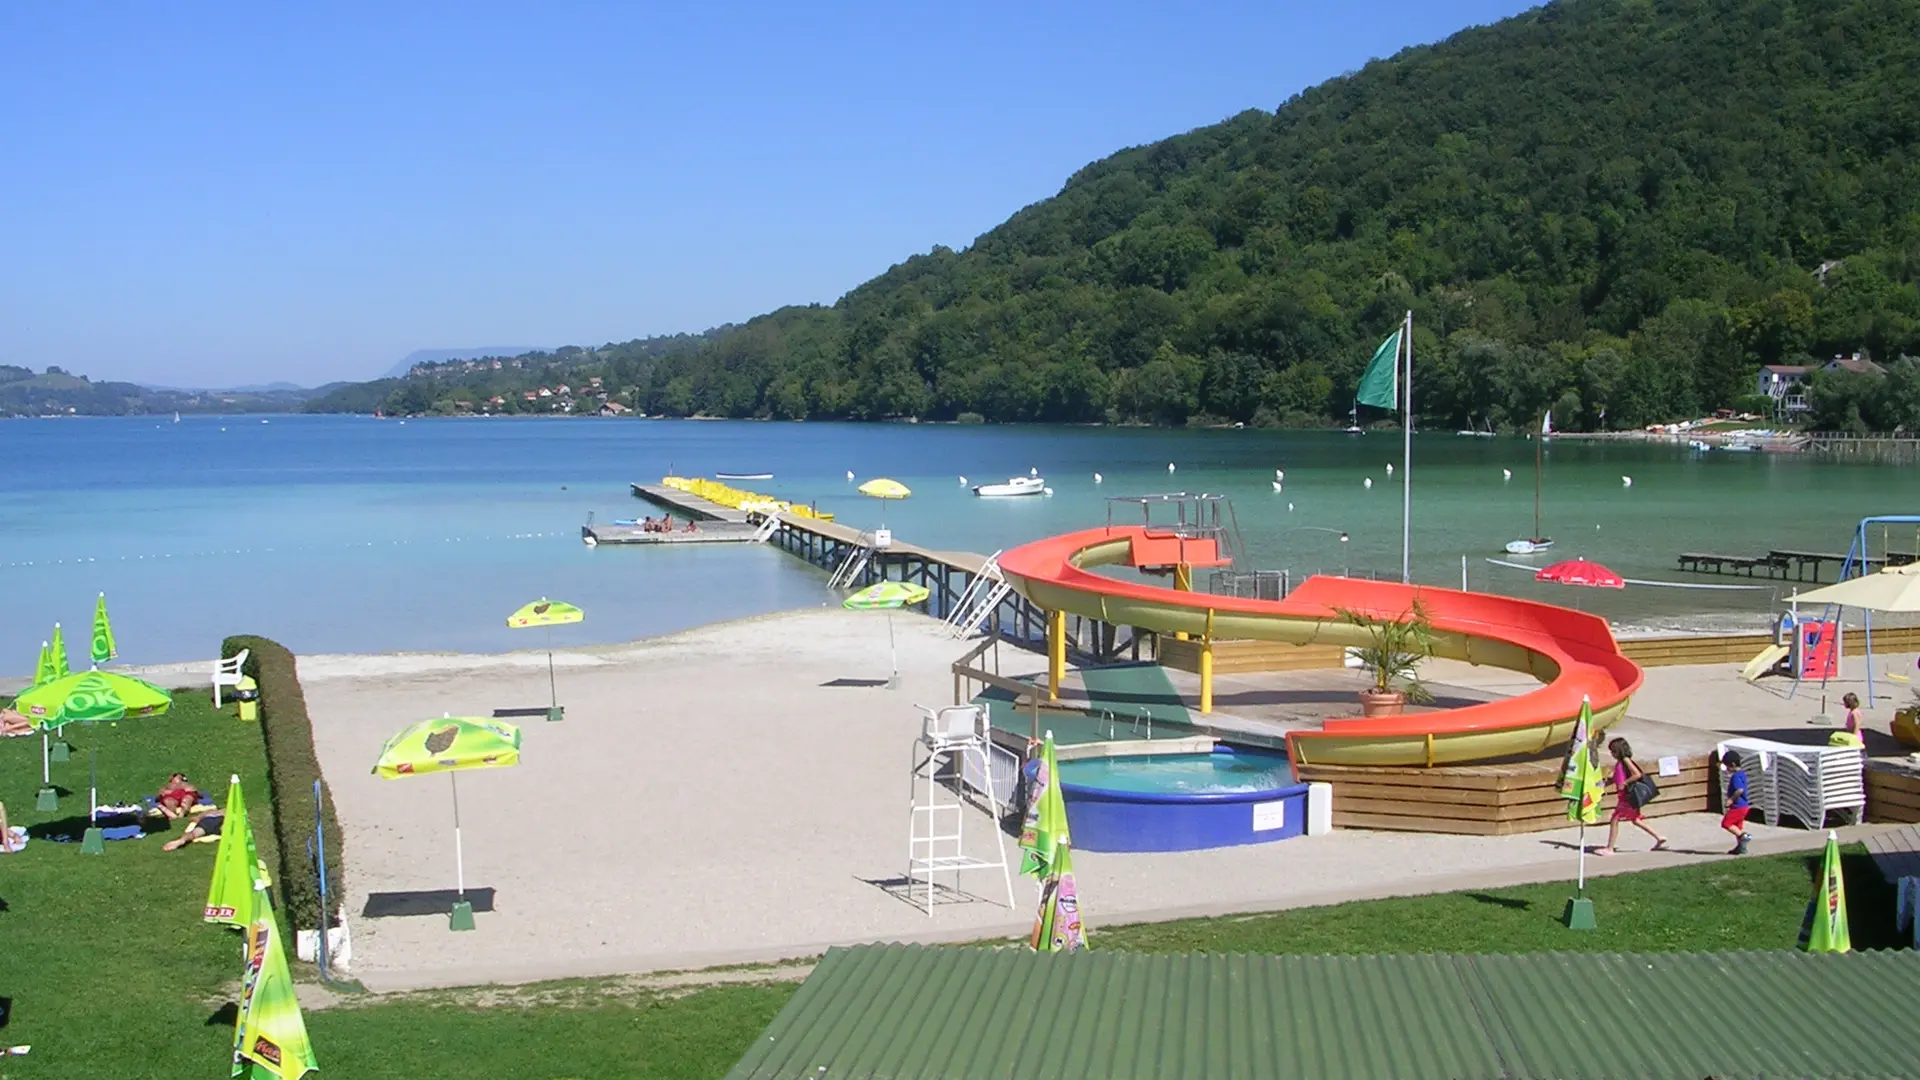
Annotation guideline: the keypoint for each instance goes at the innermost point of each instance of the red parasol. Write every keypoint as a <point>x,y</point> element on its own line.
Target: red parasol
<point>1581,572</point>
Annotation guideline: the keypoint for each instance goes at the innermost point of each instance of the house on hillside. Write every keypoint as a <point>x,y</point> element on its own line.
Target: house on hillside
<point>1786,386</point>
<point>1858,363</point>
<point>544,392</point>
<point>614,408</point>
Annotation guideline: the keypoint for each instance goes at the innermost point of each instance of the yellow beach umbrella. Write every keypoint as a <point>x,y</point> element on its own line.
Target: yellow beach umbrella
<point>885,489</point>
<point>548,614</point>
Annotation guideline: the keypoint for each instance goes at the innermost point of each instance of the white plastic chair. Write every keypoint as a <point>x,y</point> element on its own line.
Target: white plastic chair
<point>227,673</point>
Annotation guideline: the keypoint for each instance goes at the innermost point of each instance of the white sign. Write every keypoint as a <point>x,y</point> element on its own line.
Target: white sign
<point>1670,766</point>
<point>1268,816</point>
<point>882,538</point>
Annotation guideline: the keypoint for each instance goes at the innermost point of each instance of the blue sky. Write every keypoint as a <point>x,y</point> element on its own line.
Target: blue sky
<point>209,194</point>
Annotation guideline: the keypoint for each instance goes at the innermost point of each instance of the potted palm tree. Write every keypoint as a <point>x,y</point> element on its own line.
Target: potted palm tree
<point>1395,646</point>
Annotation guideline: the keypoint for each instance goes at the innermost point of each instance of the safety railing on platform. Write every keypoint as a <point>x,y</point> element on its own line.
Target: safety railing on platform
<point>979,599</point>
<point>856,562</point>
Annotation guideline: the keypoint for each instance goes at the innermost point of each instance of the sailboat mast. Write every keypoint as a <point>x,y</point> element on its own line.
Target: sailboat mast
<point>1537,440</point>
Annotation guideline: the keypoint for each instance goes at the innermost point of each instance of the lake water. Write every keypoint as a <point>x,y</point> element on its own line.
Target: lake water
<point>348,534</point>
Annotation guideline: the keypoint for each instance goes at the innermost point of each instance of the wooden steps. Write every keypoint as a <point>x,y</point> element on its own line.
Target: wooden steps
<point>1485,800</point>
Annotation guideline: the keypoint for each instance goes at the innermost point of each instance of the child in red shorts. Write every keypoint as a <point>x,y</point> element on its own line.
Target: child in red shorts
<point>1735,819</point>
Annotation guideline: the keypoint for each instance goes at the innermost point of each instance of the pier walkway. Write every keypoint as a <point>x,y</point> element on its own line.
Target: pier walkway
<point>1785,564</point>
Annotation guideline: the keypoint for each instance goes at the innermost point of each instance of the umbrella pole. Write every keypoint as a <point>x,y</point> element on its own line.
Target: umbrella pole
<point>459,860</point>
<point>1583,859</point>
<point>46,768</point>
<point>553,690</point>
<point>893,655</point>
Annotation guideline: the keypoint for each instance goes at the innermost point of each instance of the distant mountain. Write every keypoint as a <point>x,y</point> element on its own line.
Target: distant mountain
<point>439,356</point>
<point>267,388</point>
<point>57,392</point>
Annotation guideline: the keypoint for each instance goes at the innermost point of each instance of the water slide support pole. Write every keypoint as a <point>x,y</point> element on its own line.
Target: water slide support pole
<point>1183,581</point>
<point>1206,668</point>
<point>1056,653</point>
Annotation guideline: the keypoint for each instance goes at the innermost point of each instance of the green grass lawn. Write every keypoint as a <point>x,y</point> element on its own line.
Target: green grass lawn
<point>110,972</point>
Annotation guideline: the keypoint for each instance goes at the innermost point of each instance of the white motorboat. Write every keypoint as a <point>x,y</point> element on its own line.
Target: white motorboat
<point>1528,547</point>
<point>1016,485</point>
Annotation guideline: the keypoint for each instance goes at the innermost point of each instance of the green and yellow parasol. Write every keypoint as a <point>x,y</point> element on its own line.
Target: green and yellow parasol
<point>90,695</point>
<point>269,1035</point>
<point>887,596</point>
<point>1046,852</point>
<point>549,614</point>
<point>449,745</point>
<point>239,879</point>
<point>59,647</point>
<point>103,648</point>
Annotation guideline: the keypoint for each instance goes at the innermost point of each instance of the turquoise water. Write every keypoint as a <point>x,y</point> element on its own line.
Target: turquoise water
<point>1189,774</point>
<point>348,534</point>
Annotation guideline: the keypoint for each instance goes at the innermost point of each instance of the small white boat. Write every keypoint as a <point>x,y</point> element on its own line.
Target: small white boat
<point>1528,547</point>
<point>743,476</point>
<point>1017,485</point>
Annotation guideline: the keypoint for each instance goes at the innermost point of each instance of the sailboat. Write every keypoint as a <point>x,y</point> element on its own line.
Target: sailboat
<point>1353,416</point>
<point>1538,542</point>
<point>176,418</point>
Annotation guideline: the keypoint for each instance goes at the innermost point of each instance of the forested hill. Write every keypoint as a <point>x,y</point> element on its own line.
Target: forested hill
<point>1616,209</point>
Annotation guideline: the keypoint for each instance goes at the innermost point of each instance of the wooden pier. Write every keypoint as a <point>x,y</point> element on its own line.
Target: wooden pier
<point>687,504</point>
<point>1785,564</point>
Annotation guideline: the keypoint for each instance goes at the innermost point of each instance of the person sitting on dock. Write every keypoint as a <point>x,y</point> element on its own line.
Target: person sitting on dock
<point>690,526</point>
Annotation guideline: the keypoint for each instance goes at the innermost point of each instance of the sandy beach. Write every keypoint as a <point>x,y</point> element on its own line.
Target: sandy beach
<point>739,793</point>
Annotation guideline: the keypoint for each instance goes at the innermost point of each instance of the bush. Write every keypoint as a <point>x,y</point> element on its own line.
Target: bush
<point>292,767</point>
<point>969,418</point>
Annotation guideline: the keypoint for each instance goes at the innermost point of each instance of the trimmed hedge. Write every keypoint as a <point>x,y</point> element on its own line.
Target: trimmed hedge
<point>292,767</point>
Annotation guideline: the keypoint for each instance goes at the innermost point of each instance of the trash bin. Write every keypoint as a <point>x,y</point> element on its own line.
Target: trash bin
<point>248,695</point>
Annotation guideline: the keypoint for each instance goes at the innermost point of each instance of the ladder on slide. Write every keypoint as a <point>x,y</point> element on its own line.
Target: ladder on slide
<point>977,602</point>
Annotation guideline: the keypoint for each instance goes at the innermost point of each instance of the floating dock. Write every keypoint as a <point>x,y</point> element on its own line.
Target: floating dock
<point>714,524</point>
<point>1785,564</point>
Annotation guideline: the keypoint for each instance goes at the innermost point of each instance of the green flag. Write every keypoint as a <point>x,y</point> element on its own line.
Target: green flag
<point>43,671</point>
<point>269,1037</point>
<point>60,668</point>
<point>236,865</point>
<point>1828,911</point>
<point>1380,386</point>
<point>103,647</point>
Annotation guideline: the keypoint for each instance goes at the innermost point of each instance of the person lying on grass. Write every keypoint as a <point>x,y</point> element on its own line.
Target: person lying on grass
<point>177,797</point>
<point>206,825</point>
<point>12,723</point>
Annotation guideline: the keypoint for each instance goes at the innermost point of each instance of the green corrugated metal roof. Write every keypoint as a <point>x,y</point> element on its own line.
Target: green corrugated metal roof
<point>911,1012</point>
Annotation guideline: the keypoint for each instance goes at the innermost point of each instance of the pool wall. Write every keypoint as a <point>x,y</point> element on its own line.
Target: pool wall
<point>1102,820</point>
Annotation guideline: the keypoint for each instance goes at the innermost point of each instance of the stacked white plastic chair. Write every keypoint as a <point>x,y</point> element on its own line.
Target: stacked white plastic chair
<point>1805,783</point>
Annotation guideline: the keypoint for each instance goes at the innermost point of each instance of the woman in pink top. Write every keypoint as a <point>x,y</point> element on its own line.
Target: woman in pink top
<point>1625,772</point>
<point>1852,703</point>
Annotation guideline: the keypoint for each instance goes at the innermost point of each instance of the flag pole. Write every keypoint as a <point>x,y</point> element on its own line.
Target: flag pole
<point>1406,465</point>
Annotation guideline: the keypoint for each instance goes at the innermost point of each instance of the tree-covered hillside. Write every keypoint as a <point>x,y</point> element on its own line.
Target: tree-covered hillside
<point>1614,208</point>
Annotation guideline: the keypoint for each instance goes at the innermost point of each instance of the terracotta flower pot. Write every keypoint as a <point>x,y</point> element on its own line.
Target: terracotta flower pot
<point>1382,702</point>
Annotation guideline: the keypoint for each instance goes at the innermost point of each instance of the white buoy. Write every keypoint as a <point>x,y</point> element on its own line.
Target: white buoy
<point>1367,483</point>
<point>1169,466</point>
<point>1389,468</point>
<point>1289,508</point>
<point>1276,487</point>
<point>1506,474</point>
<point>1047,491</point>
<point>963,481</point>
<point>1626,481</point>
<point>1096,478</point>
<point>1033,470</point>
<point>849,474</point>
<point>1279,474</point>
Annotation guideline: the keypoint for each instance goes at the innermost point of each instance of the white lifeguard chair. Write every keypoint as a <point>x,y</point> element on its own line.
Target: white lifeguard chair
<point>958,737</point>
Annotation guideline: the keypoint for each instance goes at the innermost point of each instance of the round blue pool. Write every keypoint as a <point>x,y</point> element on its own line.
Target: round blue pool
<point>1182,802</point>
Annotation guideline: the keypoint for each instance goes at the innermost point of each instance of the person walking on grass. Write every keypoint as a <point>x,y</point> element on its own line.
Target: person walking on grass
<point>1735,819</point>
<point>1625,781</point>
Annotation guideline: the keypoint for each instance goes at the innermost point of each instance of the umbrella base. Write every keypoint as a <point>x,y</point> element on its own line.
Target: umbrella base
<point>59,751</point>
<point>558,712</point>
<point>94,842</point>
<point>1579,914</point>
<point>48,799</point>
<point>461,918</point>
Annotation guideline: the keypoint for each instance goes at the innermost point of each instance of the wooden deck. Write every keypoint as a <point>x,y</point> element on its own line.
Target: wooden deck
<point>1784,564</point>
<point>719,532</point>
<point>687,505</point>
<point>1484,800</point>
<point>1896,852</point>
